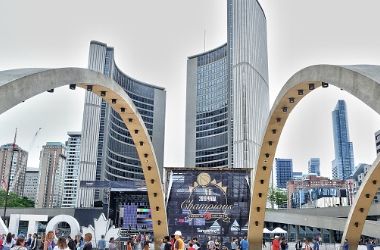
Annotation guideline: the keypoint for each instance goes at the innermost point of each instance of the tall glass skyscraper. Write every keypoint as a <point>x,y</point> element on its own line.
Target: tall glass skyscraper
<point>314,166</point>
<point>343,165</point>
<point>227,100</point>
<point>284,171</point>
<point>107,150</point>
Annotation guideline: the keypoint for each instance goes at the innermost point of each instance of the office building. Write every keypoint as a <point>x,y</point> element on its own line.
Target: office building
<point>227,95</point>
<point>377,141</point>
<point>13,169</point>
<point>357,178</point>
<point>314,166</point>
<point>52,164</point>
<point>315,191</point>
<point>343,165</point>
<point>107,150</point>
<point>284,171</point>
<point>71,173</point>
<point>31,183</point>
<point>297,176</point>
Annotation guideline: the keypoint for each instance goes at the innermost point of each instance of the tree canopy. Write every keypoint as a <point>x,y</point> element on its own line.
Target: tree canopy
<point>15,200</point>
<point>278,197</point>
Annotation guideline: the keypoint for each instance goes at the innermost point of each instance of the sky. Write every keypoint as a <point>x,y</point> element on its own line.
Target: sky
<point>152,40</point>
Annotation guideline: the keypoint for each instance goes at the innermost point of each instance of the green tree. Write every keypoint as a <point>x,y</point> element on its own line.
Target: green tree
<point>277,196</point>
<point>15,200</point>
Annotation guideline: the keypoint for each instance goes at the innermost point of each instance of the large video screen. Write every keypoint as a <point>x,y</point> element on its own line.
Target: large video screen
<point>209,204</point>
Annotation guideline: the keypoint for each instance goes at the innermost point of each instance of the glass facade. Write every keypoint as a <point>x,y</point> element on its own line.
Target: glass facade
<point>343,165</point>
<point>227,93</point>
<point>108,151</point>
<point>212,109</point>
<point>305,196</point>
<point>314,166</point>
<point>284,171</point>
<point>206,203</point>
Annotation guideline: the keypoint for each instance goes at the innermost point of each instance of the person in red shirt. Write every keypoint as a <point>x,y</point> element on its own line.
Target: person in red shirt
<point>190,246</point>
<point>172,241</point>
<point>276,243</point>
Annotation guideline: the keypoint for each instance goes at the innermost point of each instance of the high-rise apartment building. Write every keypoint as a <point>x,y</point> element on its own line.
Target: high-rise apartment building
<point>227,95</point>
<point>107,150</point>
<point>284,171</point>
<point>13,161</point>
<point>31,183</point>
<point>343,165</point>
<point>52,168</point>
<point>314,166</point>
<point>71,173</point>
<point>358,176</point>
<point>377,141</point>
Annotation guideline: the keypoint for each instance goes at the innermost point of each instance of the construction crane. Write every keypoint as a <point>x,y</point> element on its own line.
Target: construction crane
<point>19,169</point>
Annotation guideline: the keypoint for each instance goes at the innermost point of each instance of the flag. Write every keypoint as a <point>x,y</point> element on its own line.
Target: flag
<point>4,184</point>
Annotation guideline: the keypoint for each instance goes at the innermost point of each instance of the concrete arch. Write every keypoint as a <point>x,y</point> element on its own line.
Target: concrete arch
<point>359,210</point>
<point>18,85</point>
<point>362,81</point>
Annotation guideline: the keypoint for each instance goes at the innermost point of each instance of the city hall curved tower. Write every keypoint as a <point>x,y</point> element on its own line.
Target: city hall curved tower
<point>107,150</point>
<point>227,99</point>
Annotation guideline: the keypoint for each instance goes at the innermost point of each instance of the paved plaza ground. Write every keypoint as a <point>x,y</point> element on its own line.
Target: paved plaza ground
<point>323,247</point>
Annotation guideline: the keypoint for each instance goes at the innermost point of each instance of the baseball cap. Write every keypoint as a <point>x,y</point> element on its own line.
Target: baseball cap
<point>178,233</point>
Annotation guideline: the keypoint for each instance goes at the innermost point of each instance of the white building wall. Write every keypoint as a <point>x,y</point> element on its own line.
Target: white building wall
<point>247,40</point>
<point>90,130</point>
<point>70,184</point>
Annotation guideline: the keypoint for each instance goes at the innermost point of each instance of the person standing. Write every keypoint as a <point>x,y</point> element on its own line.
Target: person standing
<point>33,243</point>
<point>369,244</point>
<point>233,244</point>
<point>284,244</point>
<point>49,241</point>
<point>20,242</point>
<point>276,243</point>
<point>111,244</point>
<point>298,245</point>
<point>316,244</point>
<point>307,245</point>
<point>166,242</point>
<point>9,242</point>
<point>61,244</point>
<point>87,241</point>
<point>102,243</point>
<point>179,244</point>
<point>244,243</point>
<point>345,245</point>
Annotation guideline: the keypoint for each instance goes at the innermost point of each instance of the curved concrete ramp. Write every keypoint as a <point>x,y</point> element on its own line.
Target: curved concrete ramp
<point>362,81</point>
<point>19,85</point>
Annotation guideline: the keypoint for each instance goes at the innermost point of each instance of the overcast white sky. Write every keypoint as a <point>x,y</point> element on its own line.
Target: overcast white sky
<point>152,40</point>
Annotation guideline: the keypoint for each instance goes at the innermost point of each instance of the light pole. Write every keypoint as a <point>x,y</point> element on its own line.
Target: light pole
<point>9,177</point>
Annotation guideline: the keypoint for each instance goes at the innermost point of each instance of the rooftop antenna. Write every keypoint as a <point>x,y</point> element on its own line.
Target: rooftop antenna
<point>204,40</point>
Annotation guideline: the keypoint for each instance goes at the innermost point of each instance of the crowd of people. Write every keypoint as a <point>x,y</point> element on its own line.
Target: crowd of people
<point>51,242</point>
<point>177,242</point>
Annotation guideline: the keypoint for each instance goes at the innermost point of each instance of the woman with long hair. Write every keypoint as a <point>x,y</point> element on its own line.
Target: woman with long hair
<point>8,242</point>
<point>61,244</point>
<point>87,239</point>
<point>20,242</point>
<point>49,241</point>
